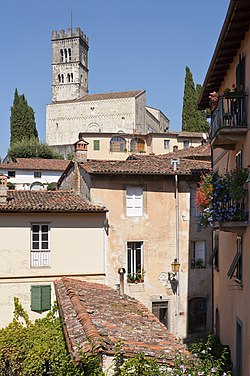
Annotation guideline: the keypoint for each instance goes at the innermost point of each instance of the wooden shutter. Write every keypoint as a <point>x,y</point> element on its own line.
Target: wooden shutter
<point>40,298</point>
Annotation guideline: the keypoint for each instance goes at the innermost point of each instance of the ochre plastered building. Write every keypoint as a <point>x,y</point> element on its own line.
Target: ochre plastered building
<point>229,77</point>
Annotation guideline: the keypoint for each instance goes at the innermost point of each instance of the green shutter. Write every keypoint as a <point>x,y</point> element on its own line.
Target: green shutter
<point>40,298</point>
<point>96,144</point>
<point>46,298</point>
<point>35,298</point>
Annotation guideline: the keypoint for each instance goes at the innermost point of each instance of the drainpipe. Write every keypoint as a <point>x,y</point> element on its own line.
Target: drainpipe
<point>174,162</point>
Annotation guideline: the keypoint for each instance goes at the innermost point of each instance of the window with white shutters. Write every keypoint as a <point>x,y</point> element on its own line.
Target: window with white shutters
<point>134,201</point>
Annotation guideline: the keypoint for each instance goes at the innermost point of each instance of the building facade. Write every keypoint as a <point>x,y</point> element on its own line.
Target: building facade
<point>45,236</point>
<point>141,196</point>
<point>226,92</point>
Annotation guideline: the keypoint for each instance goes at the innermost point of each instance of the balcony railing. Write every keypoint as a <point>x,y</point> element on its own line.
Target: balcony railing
<point>40,258</point>
<point>229,115</point>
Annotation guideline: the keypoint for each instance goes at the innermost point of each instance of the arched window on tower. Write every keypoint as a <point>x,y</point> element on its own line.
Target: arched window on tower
<point>117,144</point>
<point>68,77</point>
<point>137,145</point>
<point>62,56</point>
<point>72,77</point>
<point>59,77</point>
<point>69,53</point>
<point>62,78</point>
<point>65,55</point>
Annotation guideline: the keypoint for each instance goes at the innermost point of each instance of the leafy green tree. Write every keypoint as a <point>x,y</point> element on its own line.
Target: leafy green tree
<point>193,120</point>
<point>22,120</point>
<point>32,148</point>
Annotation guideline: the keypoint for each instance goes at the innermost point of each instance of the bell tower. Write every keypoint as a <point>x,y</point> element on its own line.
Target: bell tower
<point>69,64</point>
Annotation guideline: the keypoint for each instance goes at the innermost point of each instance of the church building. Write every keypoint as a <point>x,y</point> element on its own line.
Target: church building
<point>74,110</point>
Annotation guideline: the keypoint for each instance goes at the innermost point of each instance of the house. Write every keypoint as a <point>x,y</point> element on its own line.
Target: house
<point>33,173</point>
<point>96,318</point>
<point>74,109</point>
<point>226,92</point>
<point>152,223</point>
<point>103,145</point>
<point>46,235</point>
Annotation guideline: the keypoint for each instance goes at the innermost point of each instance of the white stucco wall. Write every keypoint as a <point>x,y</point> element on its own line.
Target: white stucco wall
<point>77,249</point>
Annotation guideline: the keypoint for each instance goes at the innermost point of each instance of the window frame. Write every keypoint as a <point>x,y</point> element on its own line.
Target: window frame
<point>236,267</point>
<point>194,260</point>
<point>135,261</point>
<point>40,256</point>
<point>166,144</point>
<point>117,144</point>
<point>186,144</point>
<point>134,205</point>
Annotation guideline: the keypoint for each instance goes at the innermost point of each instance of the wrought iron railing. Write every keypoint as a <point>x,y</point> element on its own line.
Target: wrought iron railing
<point>229,113</point>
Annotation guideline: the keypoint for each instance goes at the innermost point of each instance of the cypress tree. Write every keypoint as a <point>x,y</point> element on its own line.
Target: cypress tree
<point>22,120</point>
<point>193,120</point>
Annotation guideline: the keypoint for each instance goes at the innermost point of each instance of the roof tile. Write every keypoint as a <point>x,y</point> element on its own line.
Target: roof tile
<point>47,201</point>
<point>36,164</point>
<point>95,311</point>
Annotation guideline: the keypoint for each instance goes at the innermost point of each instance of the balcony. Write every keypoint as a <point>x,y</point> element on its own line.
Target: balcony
<point>228,121</point>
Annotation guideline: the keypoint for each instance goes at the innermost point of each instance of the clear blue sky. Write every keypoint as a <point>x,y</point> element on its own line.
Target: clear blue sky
<point>134,44</point>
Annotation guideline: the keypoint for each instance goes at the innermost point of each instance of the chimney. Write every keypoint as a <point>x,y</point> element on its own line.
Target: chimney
<point>121,272</point>
<point>81,150</point>
<point>3,189</point>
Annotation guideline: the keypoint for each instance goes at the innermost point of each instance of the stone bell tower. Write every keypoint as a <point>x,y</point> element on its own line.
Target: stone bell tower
<point>69,64</point>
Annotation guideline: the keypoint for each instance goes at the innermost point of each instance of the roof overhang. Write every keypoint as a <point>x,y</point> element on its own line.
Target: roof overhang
<point>233,32</point>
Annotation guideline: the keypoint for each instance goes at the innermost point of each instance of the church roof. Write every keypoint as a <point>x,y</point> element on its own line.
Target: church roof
<point>106,96</point>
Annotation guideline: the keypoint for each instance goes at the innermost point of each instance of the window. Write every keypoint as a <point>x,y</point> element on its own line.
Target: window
<point>160,310</point>
<point>185,144</point>
<point>96,144</point>
<point>137,145</point>
<point>135,262</point>
<point>117,144</point>
<point>37,174</point>
<point>134,201</point>
<point>12,174</point>
<point>69,53</point>
<point>197,313</point>
<point>40,298</point>
<point>198,254</point>
<point>166,144</point>
<point>40,251</point>
<point>236,266</point>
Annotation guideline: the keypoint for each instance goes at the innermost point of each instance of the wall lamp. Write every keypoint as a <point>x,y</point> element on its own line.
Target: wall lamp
<point>175,269</point>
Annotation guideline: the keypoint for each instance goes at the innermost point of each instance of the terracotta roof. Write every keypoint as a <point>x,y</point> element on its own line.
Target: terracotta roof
<point>47,201</point>
<point>105,96</point>
<point>202,152</point>
<point>144,164</point>
<point>95,313</point>
<point>233,32</point>
<point>36,164</point>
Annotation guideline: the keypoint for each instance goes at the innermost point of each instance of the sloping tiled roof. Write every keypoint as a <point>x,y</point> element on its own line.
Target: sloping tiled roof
<point>144,164</point>
<point>95,312</point>
<point>199,152</point>
<point>105,96</point>
<point>36,164</point>
<point>47,201</point>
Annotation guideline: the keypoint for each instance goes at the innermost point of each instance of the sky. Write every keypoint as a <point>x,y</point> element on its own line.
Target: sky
<point>134,45</point>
